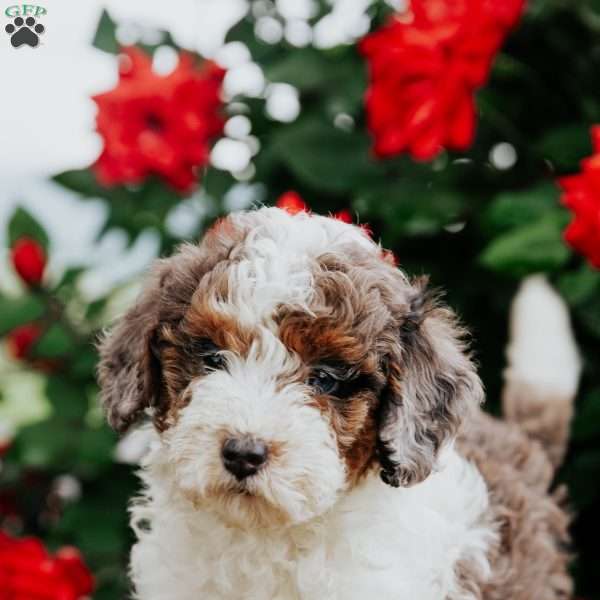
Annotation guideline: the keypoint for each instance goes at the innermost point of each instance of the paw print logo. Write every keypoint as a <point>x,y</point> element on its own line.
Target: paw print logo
<point>24,31</point>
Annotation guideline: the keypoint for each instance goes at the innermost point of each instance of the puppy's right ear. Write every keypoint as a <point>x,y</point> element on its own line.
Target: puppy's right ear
<point>129,373</point>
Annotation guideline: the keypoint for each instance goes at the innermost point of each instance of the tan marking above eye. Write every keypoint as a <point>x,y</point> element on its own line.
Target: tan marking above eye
<point>315,339</point>
<point>201,321</point>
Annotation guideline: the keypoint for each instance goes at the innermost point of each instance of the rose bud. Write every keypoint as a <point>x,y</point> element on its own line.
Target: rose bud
<point>22,339</point>
<point>29,260</point>
<point>292,202</point>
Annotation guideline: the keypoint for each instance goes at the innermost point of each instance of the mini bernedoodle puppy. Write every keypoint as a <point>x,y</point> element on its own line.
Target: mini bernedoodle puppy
<point>318,432</point>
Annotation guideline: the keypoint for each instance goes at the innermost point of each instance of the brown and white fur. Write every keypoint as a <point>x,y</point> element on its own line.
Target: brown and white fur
<point>392,484</point>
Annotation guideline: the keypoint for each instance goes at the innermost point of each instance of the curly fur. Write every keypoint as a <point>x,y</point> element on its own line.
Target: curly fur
<point>280,296</point>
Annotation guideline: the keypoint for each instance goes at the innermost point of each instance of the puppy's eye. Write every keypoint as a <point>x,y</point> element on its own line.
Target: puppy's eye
<point>210,354</point>
<point>323,382</point>
<point>213,360</point>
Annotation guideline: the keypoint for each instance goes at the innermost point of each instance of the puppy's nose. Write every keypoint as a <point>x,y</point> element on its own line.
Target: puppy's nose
<point>244,456</point>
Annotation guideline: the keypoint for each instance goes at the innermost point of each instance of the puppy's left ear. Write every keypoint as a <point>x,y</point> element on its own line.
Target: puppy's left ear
<point>432,385</point>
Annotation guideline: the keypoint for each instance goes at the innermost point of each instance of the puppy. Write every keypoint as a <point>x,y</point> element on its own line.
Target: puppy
<point>317,431</point>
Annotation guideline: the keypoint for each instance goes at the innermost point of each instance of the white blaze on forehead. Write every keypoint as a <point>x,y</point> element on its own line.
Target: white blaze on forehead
<point>274,263</point>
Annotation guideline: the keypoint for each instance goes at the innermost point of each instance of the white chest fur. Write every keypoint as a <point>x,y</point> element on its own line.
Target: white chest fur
<point>379,542</point>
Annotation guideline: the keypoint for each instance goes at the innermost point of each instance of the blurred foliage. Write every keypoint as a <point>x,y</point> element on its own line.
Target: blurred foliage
<point>472,224</point>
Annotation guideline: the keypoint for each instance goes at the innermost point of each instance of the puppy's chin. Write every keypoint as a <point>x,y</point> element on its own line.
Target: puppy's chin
<point>241,509</point>
<point>253,505</point>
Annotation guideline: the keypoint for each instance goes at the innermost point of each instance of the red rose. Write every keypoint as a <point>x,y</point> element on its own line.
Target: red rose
<point>158,124</point>
<point>22,339</point>
<point>581,194</point>
<point>292,202</point>
<point>343,215</point>
<point>29,260</point>
<point>28,571</point>
<point>424,68</point>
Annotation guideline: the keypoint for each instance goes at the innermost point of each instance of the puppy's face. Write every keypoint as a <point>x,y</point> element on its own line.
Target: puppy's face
<point>270,415</point>
<point>282,359</point>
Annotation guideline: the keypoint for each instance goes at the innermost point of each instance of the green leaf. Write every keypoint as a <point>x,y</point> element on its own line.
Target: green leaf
<point>588,313</point>
<point>15,312</point>
<point>67,398</point>
<point>136,208</point>
<point>44,444</point>
<point>337,75</point>
<point>586,424</point>
<point>83,364</point>
<point>105,38</point>
<point>22,224</point>
<point>97,528</point>
<point>96,447</point>
<point>529,249</point>
<point>70,277</point>
<point>243,31</point>
<point>593,6</point>
<point>54,343</point>
<point>95,309</point>
<point>82,181</point>
<point>306,69</point>
<point>216,183</point>
<point>410,207</point>
<point>544,8</point>
<point>515,209</point>
<point>584,469</point>
<point>564,147</point>
<point>530,224</point>
<point>326,158</point>
<point>579,286</point>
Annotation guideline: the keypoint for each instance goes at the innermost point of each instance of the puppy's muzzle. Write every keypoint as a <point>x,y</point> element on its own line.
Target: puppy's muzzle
<point>243,456</point>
